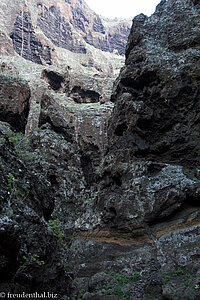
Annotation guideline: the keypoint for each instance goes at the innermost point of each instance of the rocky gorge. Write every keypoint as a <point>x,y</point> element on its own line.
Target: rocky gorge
<point>100,185</point>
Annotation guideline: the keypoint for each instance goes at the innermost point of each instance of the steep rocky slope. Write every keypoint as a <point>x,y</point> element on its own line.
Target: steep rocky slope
<point>90,213</point>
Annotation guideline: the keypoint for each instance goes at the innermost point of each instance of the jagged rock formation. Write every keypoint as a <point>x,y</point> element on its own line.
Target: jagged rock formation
<point>66,100</point>
<point>72,43</point>
<point>95,214</point>
<point>155,120</point>
<point>31,258</point>
<point>48,34</point>
<point>42,30</point>
<point>149,189</point>
<point>36,173</point>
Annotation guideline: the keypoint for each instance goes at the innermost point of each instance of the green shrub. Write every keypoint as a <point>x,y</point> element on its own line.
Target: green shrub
<point>34,258</point>
<point>117,290</point>
<point>197,287</point>
<point>178,272</point>
<point>56,229</point>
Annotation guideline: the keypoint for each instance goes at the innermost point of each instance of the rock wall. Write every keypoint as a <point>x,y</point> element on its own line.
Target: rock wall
<point>147,204</point>
<point>25,41</point>
<point>14,101</point>
<point>39,31</point>
<point>91,213</point>
<point>155,119</point>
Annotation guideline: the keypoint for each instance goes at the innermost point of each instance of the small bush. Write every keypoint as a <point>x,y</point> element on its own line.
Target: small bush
<point>178,272</point>
<point>56,229</point>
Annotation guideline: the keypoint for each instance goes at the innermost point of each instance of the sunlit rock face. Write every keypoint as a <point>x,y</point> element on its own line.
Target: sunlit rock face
<point>39,31</point>
<point>76,53</point>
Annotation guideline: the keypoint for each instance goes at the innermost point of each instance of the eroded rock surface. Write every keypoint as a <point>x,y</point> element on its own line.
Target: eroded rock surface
<point>154,129</point>
<point>53,33</point>
<point>31,258</point>
<point>146,213</point>
<point>91,213</point>
<point>14,101</point>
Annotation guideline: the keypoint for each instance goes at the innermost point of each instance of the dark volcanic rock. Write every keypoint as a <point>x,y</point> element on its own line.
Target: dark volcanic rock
<point>88,222</point>
<point>145,219</point>
<point>161,77</point>
<point>54,79</point>
<point>31,257</point>
<point>25,42</point>
<point>36,173</point>
<point>52,114</point>
<point>81,96</point>
<point>152,165</point>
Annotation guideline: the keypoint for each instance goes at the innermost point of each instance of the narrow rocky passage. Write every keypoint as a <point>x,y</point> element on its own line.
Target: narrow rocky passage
<point>100,200</point>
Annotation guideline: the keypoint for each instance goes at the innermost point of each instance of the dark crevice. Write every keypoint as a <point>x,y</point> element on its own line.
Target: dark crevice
<point>120,129</point>
<point>112,212</point>
<point>53,179</point>
<point>144,124</point>
<point>145,80</point>
<point>9,250</point>
<point>189,205</point>
<point>79,95</point>
<point>58,129</point>
<point>117,180</point>
<point>154,169</point>
<point>47,212</point>
<point>183,47</point>
<point>107,180</point>
<point>17,121</point>
<point>90,160</point>
<point>87,168</point>
<point>192,201</point>
<point>109,215</point>
<point>196,2</point>
<point>54,79</point>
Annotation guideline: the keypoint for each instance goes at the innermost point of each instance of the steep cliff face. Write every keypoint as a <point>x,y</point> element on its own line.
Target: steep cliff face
<point>71,41</point>
<point>89,213</point>
<point>38,28</point>
<point>155,120</point>
<point>75,70</point>
<point>146,214</point>
<point>25,41</point>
